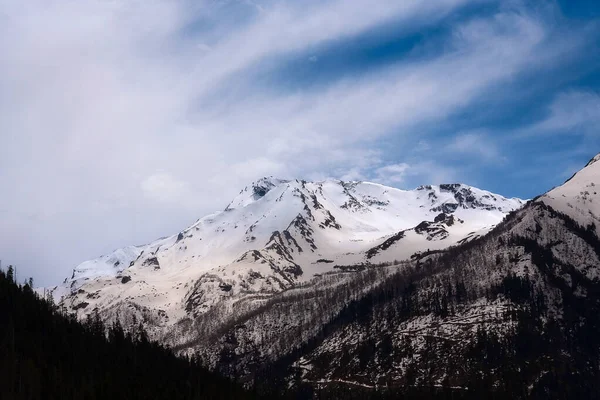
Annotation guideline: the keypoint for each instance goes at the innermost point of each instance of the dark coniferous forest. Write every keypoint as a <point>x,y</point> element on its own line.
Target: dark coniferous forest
<point>47,355</point>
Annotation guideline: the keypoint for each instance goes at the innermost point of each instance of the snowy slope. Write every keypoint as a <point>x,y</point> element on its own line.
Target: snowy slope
<point>579,197</point>
<point>274,235</point>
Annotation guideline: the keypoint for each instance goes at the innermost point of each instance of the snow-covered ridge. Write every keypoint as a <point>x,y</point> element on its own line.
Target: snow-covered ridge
<point>579,196</point>
<point>254,192</point>
<point>370,203</point>
<point>275,234</point>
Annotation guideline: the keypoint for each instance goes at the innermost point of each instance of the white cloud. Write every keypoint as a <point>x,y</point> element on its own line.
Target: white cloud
<point>393,173</point>
<point>569,113</point>
<point>572,112</point>
<point>477,144</point>
<point>412,175</point>
<point>163,187</point>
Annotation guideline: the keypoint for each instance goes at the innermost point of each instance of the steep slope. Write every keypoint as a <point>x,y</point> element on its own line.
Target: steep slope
<point>274,236</point>
<point>579,197</point>
<point>512,314</point>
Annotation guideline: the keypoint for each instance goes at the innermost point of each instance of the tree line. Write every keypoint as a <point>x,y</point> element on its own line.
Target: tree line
<point>46,354</point>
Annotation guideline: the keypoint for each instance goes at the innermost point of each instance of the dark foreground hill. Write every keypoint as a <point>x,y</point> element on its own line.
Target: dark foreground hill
<point>46,355</point>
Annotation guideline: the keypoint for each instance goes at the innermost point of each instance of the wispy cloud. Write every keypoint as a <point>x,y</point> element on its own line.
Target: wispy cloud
<point>571,112</point>
<point>162,187</point>
<point>477,144</point>
<point>394,173</point>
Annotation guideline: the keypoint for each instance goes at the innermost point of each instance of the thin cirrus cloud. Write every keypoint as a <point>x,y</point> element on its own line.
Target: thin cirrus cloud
<point>478,144</point>
<point>571,112</point>
<point>124,121</point>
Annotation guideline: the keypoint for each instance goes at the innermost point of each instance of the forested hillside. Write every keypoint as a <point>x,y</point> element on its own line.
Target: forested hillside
<point>47,355</point>
<point>515,314</point>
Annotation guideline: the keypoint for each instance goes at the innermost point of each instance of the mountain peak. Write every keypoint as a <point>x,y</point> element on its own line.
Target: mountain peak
<point>593,160</point>
<point>255,191</point>
<point>276,234</point>
<point>579,196</point>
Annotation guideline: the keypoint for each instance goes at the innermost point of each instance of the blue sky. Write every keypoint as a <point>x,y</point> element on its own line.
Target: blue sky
<point>124,121</point>
<point>482,143</point>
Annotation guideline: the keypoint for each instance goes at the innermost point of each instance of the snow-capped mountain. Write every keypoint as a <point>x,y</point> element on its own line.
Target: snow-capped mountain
<point>277,234</point>
<point>514,313</point>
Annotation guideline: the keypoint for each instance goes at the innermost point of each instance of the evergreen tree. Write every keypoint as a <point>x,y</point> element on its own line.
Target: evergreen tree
<point>48,355</point>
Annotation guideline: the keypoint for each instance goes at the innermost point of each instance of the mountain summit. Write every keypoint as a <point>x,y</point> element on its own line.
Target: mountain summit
<point>277,234</point>
<point>579,196</point>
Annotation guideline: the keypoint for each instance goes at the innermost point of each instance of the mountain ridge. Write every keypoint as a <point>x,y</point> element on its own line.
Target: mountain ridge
<point>270,237</point>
